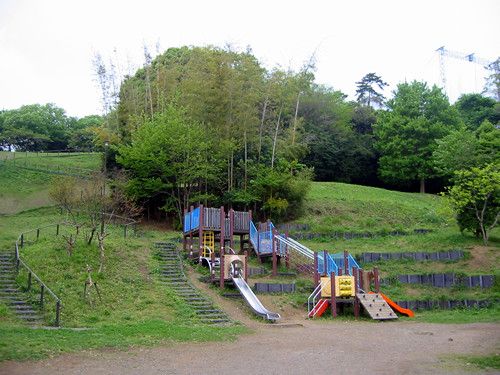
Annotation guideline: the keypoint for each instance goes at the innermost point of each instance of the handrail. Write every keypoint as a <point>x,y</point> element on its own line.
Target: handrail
<point>313,295</point>
<point>31,274</point>
<point>21,240</point>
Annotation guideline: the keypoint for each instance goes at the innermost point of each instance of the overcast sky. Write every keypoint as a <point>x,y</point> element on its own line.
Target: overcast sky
<point>46,47</point>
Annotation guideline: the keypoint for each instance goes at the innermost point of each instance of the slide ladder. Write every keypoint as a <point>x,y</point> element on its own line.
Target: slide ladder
<point>252,299</point>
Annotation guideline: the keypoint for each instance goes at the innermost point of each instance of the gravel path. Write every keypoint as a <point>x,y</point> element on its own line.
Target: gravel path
<point>314,348</point>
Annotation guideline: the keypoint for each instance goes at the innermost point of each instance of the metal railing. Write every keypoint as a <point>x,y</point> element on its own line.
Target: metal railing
<point>314,296</point>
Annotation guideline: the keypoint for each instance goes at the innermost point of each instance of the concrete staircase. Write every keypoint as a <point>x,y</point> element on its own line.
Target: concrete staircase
<point>12,296</point>
<point>173,275</point>
<point>376,306</point>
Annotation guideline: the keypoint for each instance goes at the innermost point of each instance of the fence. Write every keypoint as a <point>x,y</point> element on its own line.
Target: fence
<point>446,280</point>
<point>58,169</point>
<point>451,255</point>
<point>25,239</point>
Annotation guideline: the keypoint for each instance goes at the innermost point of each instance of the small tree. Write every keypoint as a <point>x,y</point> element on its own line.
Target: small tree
<point>476,199</point>
<point>367,93</point>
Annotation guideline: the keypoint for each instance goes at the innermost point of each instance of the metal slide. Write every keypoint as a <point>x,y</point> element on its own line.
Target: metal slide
<point>253,301</point>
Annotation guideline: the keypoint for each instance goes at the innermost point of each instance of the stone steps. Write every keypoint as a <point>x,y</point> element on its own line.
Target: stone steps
<point>172,274</point>
<point>13,297</point>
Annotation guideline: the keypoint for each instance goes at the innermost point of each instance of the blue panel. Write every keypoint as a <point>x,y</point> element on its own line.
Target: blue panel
<point>186,222</point>
<point>195,218</point>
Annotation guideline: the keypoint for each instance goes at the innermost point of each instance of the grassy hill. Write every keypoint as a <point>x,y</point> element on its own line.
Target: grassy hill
<point>342,207</point>
<point>136,309</point>
<point>25,181</point>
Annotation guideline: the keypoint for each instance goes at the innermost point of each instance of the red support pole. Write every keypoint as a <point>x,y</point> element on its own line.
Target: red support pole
<point>222,241</point>
<point>346,263</point>
<point>246,265</point>
<point>355,271</point>
<point>275,258</point>
<point>184,236</point>
<point>200,230</point>
<point>316,274</point>
<point>360,279</point>
<point>376,280</point>
<point>333,298</point>
<point>190,233</point>
<point>325,263</point>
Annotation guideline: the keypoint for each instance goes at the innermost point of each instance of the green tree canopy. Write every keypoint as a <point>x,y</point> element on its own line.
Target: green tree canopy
<point>407,131</point>
<point>476,199</point>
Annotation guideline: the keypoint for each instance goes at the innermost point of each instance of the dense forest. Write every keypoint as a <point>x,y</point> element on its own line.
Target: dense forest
<point>213,125</point>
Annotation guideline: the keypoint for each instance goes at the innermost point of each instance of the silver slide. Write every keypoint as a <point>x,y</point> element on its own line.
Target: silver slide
<point>253,301</point>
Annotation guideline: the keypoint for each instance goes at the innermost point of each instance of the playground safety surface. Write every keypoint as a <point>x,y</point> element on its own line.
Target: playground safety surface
<point>315,347</point>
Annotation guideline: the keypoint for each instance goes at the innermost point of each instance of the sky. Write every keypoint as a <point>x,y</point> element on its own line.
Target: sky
<point>47,47</point>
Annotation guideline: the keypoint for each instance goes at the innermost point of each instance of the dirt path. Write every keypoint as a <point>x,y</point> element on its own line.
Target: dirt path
<point>314,348</point>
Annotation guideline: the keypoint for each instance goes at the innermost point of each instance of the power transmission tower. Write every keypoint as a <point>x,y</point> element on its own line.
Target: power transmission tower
<point>469,57</point>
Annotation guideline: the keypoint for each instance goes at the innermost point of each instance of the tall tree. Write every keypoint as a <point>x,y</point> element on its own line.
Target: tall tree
<point>492,86</point>
<point>406,133</point>
<point>367,93</point>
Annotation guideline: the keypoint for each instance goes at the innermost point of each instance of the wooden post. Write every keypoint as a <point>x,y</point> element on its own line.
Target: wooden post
<point>346,262</point>
<point>231,228</point>
<point>287,253</point>
<point>355,271</point>
<point>37,233</point>
<point>58,313</point>
<point>200,230</point>
<point>22,239</point>
<point>184,238</point>
<point>29,281</point>
<point>246,265</point>
<point>191,232</point>
<point>332,291</point>
<point>376,280</point>
<point>42,290</point>
<point>57,230</point>
<point>222,241</point>
<point>275,257</point>
<point>325,265</point>
<point>316,274</point>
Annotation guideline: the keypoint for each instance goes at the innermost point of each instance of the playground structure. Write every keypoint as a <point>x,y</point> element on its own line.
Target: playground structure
<point>212,226</point>
<point>338,279</point>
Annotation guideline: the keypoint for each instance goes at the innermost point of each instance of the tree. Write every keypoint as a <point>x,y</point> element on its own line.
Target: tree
<point>406,133</point>
<point>169,160</point>
<point>492,86</point>
<point>459,150</point>
<point>35,127</point>
<point>476,199</point>
<point>367,93</point>
<point>475,108</point>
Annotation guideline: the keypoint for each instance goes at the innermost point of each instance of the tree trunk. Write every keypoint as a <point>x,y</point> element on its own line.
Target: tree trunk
<point>276,138</point>
<point>422,185</point>
<point>246,159</point>
<point>295,119</point>
<point>261,128</point>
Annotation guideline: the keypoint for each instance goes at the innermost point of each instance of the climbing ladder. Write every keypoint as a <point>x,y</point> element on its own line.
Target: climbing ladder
<point>12,296</point>
<point>376,306</point>
<point>173,275</point>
